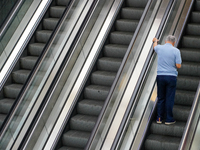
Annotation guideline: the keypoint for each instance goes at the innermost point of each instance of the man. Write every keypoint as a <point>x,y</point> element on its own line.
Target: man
<point>169,59</point>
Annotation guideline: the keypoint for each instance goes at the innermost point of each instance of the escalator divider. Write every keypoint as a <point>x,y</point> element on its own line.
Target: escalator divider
<point>33,72</point>
<point>133,104</point>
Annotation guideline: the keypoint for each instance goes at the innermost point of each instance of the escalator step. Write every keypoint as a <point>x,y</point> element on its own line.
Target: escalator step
<point>192,29</point>
<point>56,11</point>
<point>2,118</point>
<point>159,142</point>
<point>136,3</point>
<point>77,139</point>
<point>175,130</point>
<point>190,69</point>
<point>20,76</point>
<point>90,107</point>
<point>109,64</point>
<point>12,90</point>
<point>190,41</point>
<point>50,23</point>
<point>28,62</point>
<point>96,92</point>
<point>83,122</point>
<point>126,25</point>
<point>197,5</point>
<point>184,97</point>
<point>195,17</point>
<point>103,78</point>
<point>189,54</point>
<point>181,113</point>
<point>62,2</point>
<point>115,50</point>
<point>5,105</point>
<point>35,49</point>
<point>122,38</point>
<point>187,83</point>
<point>43,36</point>
<point>69,148</point>
<point>127,13</point>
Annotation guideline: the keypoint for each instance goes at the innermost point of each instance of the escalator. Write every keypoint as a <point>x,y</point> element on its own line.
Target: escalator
<point>20,73</point>
<point>167,137</point>
<point>84,116</point>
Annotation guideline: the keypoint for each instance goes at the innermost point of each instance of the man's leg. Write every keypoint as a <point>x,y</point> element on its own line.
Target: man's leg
<point>161,98</point>
<point>170,95</point>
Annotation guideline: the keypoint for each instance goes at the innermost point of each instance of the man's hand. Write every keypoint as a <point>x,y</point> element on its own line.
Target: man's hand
<point>155,42</point>
<point>178,66</point>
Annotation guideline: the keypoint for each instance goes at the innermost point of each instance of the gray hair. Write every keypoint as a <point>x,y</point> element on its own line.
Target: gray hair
<point>171,38</point>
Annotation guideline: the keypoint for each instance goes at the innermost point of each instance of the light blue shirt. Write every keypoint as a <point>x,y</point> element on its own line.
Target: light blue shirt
<point>168,57</point>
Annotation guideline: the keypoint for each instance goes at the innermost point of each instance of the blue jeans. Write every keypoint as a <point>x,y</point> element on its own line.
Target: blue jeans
<point>166,86</point>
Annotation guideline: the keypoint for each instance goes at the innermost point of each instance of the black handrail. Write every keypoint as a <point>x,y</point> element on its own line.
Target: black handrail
<point>33,72</point>
<point>10,17</point>
<point>141,78</point>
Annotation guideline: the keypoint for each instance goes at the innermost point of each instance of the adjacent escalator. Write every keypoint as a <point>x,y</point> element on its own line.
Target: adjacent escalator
<point>91,101</point>
<point>29,57</point>
<point>167,137</point>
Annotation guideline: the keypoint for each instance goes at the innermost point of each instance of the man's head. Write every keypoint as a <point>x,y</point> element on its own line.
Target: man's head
<point>170,39</point>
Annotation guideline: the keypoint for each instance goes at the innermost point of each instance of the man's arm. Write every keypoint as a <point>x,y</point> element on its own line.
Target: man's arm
<point>178,66</point>
<point>155,42</point>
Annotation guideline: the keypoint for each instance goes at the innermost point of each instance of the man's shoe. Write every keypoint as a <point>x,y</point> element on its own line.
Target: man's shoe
<point>170,122</point>
<point>159,120</point>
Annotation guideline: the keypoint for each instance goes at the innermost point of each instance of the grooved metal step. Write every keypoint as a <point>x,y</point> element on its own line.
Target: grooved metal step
<point>103,78</point>
<point>90,107</point>
<point>115,50</point>
<point>175,130</point>
<point>83,122</point>
<point>159,142</point>
<point>76,139</point>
